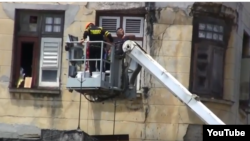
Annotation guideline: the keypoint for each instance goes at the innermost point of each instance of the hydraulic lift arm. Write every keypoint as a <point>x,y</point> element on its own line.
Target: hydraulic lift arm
<point>135,52</point>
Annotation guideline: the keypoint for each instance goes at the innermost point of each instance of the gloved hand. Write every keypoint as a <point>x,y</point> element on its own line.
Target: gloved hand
<point>67,48</point>
<point>109,54</point>
<point>82,40</point>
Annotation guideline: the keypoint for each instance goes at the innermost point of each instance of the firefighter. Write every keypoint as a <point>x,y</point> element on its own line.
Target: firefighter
<point>95,33</point>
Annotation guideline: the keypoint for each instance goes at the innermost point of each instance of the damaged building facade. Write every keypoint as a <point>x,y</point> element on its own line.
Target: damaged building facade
<point>204,45</point>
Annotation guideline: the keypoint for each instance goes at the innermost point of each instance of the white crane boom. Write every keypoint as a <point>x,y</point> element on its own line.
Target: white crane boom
<point>135,52</point>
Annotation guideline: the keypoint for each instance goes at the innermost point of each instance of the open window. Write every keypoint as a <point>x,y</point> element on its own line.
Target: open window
<point>208,53</point>
<point>37,51</point>
<point>25,59</point>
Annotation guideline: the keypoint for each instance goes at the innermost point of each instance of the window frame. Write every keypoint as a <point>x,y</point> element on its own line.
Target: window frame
<point>39,35</point>
<point>196,41</point>
<point>44,33</point>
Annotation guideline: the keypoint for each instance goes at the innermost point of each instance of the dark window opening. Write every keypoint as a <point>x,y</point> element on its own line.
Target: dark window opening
<point>245,74</point>
<point>217,70</point>
<point>27,58</point>
<point>246,46</point>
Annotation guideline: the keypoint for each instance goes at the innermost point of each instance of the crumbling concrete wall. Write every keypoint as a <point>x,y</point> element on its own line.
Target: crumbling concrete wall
<point>159,116</point>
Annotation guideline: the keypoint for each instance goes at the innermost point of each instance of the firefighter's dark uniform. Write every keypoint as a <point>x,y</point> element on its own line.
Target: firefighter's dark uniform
<point>96,33</point>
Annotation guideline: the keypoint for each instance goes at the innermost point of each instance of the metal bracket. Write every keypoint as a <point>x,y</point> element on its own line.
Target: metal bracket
<point>196,97</point>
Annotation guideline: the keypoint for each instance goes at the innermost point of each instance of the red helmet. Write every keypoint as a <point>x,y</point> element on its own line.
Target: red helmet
<point>88,24</point>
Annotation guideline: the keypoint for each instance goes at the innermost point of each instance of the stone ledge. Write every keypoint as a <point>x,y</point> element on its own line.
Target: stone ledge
<point>37,91</point>
<point>18,130</point>
<point>219,101</point>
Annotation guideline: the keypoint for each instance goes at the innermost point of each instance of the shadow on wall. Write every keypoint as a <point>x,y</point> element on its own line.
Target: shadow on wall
<point>52,103</point>
<point>111,111</point>
<point>4,79</point>
<point>194,133</point>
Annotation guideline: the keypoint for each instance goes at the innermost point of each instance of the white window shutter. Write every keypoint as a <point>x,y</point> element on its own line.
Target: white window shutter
<point>133,25</point>
<point>109,23</point>
<point>50,61</point>
<point>50,54</point>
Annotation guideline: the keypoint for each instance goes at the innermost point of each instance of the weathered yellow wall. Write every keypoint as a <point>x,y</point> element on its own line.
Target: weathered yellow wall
<point>167,117</point>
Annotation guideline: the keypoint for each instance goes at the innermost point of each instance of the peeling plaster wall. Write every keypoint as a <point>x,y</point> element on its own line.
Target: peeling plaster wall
<point>161,116</point>
<point>171,47</point>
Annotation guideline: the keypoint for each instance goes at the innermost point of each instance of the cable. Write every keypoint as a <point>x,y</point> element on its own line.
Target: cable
<point>79,117</point>
<point>100,99</point>
<point>114,117</point>
<point>80,103</point>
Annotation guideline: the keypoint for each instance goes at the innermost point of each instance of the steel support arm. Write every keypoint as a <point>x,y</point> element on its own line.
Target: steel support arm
<point>134,51</point>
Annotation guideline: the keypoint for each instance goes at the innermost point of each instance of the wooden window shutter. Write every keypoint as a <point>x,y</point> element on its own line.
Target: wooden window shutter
<point>207,70</point>
<point>201,65</point>
<point>217,69</point>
